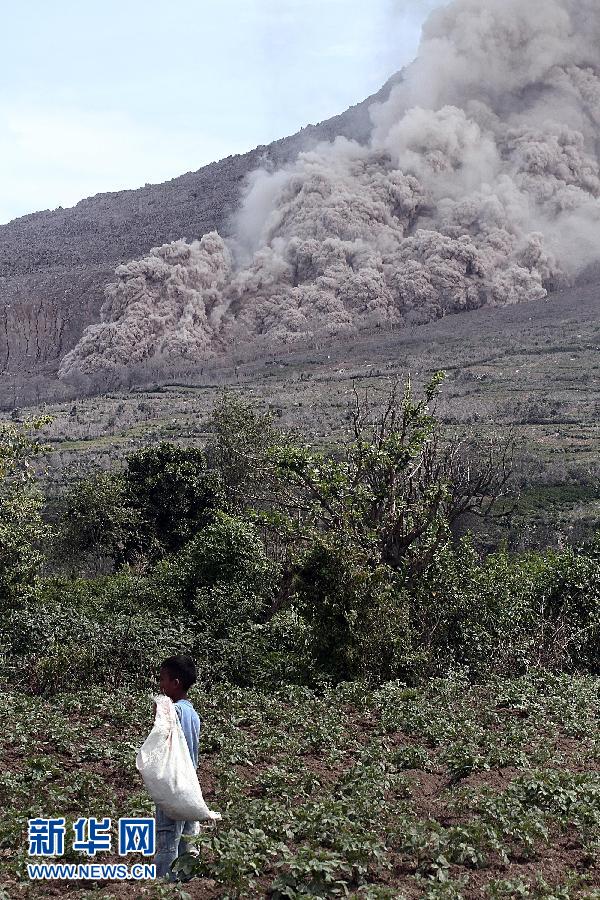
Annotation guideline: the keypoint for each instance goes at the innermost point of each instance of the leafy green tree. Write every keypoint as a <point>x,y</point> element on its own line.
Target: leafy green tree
<point>153,507</point>
<point>238,449</point>
<point>357,612</point>
<point>373,516</point>
<point>22,530</point>
<point>173,493</point>
<point>98,523</point>
<point>393,490</point>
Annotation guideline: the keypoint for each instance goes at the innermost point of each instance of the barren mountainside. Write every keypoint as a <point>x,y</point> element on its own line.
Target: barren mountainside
<point>54,265</point>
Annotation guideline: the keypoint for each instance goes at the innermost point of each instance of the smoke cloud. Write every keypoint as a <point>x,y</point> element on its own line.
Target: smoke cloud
<point>480,186</point>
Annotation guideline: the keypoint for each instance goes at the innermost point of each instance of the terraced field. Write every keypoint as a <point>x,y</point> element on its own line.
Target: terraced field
<point>532,369</point>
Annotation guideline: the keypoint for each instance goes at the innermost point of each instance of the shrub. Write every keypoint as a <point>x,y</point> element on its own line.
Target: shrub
<point>356,612</point>
<point>223,576</point>
<point>173,492</point>
<point>507,614</point>
<point>21,527</point>
<point>84,632</point>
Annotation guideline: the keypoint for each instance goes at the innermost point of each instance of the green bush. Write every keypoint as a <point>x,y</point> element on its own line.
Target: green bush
<point>357,613</point>
<point>223,576</point>
<point>21,526</point>
<point>173,492</point>
<point>85,632</point>
<point>266,654</point>
<point>164,496</point>
<point>97,522</point>
<point>502,615</point>
<point>509,613</point>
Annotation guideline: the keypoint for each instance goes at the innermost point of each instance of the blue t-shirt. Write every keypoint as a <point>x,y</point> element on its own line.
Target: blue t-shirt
<point>190,723</point>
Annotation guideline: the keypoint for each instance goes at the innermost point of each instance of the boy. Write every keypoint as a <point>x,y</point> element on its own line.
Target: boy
<point>177,675</point>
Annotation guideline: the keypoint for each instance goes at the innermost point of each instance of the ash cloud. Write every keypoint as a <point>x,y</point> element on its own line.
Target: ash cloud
<point>480,186</point>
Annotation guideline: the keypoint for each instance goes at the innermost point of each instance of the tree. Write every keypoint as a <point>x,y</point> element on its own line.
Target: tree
<point>98,523</point>
<point>222,576</point>
<point>358,614</point>
<point>173,492</point>
<point>153,507</point>
<point>22,529</point>
<point>238,450</point>
<point>366,519</point>
<point>395,488</point>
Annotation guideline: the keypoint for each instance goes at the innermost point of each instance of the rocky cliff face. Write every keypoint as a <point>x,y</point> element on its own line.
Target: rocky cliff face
<point>54,265</point>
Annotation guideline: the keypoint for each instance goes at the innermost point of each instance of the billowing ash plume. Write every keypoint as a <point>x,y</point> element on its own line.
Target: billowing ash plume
<point>169,303</point>
<point>480,186</point>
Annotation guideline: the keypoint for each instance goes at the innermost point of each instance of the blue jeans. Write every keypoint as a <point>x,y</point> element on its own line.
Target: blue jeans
<point>169,842</point>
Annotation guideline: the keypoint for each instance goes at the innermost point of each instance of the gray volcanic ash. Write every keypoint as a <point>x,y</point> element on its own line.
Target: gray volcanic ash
<point>480,186</point>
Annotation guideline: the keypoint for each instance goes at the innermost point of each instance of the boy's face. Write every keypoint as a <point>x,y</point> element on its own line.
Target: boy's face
<point>169,686</point>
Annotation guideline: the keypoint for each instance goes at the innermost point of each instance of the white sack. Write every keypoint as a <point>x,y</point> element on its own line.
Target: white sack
<point>166,767</point>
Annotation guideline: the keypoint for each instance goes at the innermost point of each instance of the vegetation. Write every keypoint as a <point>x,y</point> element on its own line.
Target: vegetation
<point>388,711</point>
<point>446,790</point>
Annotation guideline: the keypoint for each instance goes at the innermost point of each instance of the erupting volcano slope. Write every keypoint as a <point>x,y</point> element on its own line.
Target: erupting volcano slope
<point>55,265</point>
<point>473,183</point>
<point>479,186</point>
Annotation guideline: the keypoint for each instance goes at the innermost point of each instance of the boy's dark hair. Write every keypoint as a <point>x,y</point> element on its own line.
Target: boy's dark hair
<point>182,667</point>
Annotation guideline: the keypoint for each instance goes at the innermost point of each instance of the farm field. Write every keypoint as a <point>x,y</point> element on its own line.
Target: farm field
<point>443,791</point>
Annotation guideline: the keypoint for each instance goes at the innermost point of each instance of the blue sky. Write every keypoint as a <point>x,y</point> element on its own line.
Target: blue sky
<point>99,96</point>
